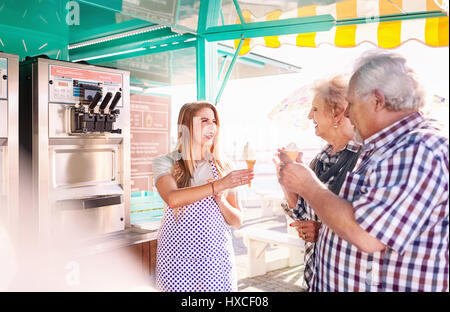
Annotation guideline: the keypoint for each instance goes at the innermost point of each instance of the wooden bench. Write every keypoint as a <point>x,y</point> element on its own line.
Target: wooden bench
<point>257,240</point>
<point>270,205</point>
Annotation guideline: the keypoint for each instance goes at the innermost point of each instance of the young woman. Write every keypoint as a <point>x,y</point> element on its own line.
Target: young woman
<point>195,251</point>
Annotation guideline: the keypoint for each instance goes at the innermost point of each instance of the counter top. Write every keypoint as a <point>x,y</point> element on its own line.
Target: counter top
<point>115,240</point>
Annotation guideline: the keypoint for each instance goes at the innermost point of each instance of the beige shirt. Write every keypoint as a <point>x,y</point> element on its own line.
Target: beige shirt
<point>163,165</point>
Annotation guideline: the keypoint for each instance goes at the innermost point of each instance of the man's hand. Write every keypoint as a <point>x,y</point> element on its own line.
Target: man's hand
<point>307,230</point>
<point>297,177</point>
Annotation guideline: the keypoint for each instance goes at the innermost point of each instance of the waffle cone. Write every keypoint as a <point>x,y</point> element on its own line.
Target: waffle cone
<point>292,155</point>
<point>250,165</point>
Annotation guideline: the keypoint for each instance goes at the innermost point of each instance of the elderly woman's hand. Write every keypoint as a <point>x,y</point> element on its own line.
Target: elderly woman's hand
<point>307,230</point>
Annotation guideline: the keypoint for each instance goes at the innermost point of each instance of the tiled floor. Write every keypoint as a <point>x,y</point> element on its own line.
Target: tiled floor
<point>282,280</point>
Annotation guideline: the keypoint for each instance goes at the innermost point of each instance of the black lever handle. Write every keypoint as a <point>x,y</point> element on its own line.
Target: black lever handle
<point>115,100</point>
<point>94,102</point>
<point>106,100</point>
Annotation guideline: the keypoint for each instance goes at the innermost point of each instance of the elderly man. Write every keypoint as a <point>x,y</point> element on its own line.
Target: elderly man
<point>389,228</point>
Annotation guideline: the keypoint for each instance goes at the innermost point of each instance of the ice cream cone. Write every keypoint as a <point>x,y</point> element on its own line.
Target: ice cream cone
<point>292,151</point>
<point>250,157</point>
<point>292,155</point>
<point>250,165</point>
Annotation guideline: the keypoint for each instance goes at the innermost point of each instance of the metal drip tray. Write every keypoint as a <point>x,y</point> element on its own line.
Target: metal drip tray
<point>90,216</point>
<point>90,202</point>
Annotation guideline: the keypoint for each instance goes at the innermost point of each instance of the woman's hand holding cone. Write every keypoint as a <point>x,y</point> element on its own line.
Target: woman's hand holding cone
<point>234,178</point>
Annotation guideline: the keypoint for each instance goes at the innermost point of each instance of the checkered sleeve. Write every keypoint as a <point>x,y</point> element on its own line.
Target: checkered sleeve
<point>400,194</point>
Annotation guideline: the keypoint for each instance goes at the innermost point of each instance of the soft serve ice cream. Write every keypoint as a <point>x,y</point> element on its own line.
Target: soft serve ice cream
<point>292,151</point>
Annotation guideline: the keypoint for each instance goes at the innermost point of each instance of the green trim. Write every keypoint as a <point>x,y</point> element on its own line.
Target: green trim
<point>142,40</point>
<point>112,5</point>
<point>200,68</point>
<point>222,66</point>
<point>147,51</point>
<point>221,17</point>
<point>207,63</point>
<point>270,28</point>
<point>257,59</point>
<point>390,18</point>
<point>19,32</point>
<point>239,12</point>
<point>243,59</point>
<point>177,14</point>
<point>208,14</point>
<point>108,30</point>
<point>230,68</point>
<point>301,25</point>
<point>206,53</point>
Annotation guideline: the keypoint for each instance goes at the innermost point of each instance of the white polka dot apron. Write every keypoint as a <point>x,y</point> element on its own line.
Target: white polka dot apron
<point>195,251</point>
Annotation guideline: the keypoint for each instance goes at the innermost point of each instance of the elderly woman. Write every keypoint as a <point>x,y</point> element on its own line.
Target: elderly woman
<point>337,158</point>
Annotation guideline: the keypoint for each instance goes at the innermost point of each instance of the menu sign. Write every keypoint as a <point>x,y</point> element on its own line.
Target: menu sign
<point>150,137</point>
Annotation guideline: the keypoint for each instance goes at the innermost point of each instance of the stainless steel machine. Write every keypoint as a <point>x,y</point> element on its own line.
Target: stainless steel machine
<point>9,140</point>
<point>76,148</point>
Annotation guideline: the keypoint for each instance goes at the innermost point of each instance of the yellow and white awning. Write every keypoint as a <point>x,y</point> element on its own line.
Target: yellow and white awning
<point>430,31</point>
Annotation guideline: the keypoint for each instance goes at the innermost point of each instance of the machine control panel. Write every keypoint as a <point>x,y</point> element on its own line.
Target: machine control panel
<point>96,97</point>
<point>3,78</point>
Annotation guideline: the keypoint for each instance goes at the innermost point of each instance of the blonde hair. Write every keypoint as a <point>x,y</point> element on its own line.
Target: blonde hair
<point>333,92</point>
<point>185,165</point>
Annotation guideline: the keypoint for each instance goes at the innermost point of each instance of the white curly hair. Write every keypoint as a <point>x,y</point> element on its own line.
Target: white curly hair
<point>389,73</point>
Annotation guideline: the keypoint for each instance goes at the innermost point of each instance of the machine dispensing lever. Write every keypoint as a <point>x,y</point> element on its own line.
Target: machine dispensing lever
<point>95,101</point>
<point>115,100</point>
<point>105,101</point>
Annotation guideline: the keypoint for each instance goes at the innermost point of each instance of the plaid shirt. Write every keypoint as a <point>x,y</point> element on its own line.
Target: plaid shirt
<point>304,212</point>
<point>400,195</point>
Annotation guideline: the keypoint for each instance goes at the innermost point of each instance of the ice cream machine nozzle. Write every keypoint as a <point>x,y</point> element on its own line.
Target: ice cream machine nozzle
<point>91,121</point>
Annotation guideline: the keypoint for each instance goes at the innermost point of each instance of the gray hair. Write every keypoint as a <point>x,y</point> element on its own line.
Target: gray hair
<point>389,73</point>
<point>333,91</point>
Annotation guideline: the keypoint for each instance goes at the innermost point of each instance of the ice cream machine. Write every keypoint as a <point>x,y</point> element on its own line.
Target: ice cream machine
<point>76,147</point>
<point>9,138</point>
